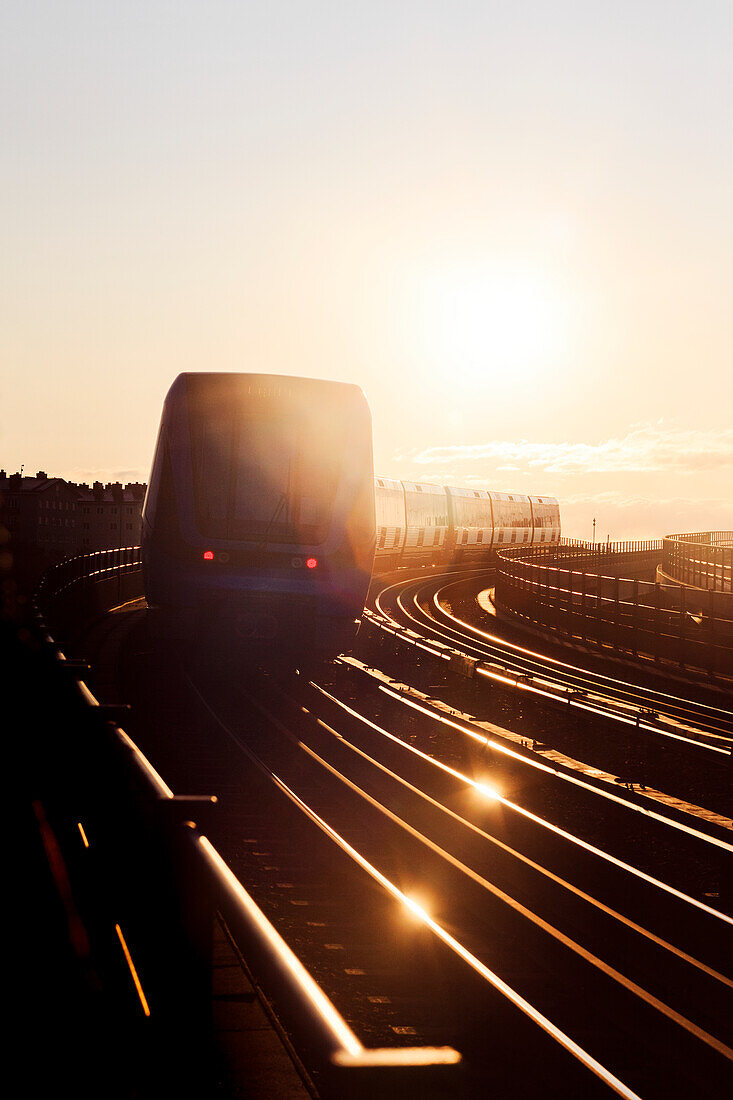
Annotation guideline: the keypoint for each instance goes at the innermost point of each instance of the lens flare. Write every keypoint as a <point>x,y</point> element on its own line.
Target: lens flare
<point>487,791</point>
<point>416,908</point>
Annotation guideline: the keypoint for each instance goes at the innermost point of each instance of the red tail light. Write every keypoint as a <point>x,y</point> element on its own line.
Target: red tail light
<point>208,555</point>
<point>312,563</point>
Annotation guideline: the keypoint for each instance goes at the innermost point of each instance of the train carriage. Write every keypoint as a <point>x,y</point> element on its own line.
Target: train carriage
<point>512,519</point>
<point>545,519</point>
<point>258,524</point>
<point>471,522</point>
<point>427,522</point>
<point>420,523</point>
<point>389,499</point>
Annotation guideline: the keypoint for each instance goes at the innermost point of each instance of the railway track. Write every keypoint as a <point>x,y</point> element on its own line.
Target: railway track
<point>674,732</point>
<point>428,606</point>
<point>444,882</point>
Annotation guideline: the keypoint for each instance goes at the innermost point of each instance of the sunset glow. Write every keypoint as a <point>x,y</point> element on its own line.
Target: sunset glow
<point>509,228</point>
<point>493,326</point>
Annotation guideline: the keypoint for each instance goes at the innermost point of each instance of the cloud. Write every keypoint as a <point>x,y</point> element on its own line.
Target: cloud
<point>646,448</point>
<point>615,481</point>
<point>82,474</point>
<point>616,499</point>
<point>628,515</point>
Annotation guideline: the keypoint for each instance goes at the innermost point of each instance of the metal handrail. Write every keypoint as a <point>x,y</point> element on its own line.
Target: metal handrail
<point>700,559</point>
<point>338,1043</point>
<point>99,563</point>
<point>573,592</point>
<point>703,538</point>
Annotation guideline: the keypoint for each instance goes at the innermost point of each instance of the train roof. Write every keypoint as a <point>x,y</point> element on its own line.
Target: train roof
<point>482,494</point>
<point>521,497</point>
<point>265,385</point>
<point>424,487</point>
<point>389,483</point>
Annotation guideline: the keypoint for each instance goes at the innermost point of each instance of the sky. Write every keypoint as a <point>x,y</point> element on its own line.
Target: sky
<point>510,224</point>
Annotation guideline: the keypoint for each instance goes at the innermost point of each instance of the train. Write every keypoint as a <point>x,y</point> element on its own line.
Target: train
<point>258,525</point>
<point>420,523</point>
<point>263,522</point>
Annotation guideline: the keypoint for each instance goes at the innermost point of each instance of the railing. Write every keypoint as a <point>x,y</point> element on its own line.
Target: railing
<point>701,559</point>
<point>163,882</point>
<point>594,557</point>
<point>636,546</point>
<point>579,592</point>
<point>76,589</point>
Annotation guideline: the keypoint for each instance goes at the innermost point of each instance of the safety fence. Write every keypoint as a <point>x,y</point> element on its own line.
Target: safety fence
<point>584,592</point>
<point>607,548</point>
<point>77,589</point>
<point>139,855</point>
<point>701,559</point>
<point>610,558</point>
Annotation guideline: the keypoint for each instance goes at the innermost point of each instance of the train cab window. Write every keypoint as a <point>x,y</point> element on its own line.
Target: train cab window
<point>215,445</point>
<point>266,468</point>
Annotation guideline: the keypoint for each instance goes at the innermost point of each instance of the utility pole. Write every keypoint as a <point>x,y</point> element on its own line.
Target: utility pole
<point>594,528</point>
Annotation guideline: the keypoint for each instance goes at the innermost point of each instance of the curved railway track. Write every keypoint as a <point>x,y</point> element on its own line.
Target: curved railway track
<point>444,882</point>
<point>426,608</point>
<point>682,743</point>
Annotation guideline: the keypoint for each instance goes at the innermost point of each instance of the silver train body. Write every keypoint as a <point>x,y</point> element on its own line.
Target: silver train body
<point>427,524</point>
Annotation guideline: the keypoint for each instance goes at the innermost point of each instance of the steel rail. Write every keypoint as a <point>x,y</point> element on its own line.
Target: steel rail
<point>711,721</point>
<point>350,1053</point>
<point>545,926</point>
<point>538,765</point>
<point>568,776</point>
<point>585,681</point>
<point>483,789</point>
<point>530,685</point>
<point>717,717</point>
<point>442,933</point>
<point>623,980</point>
<point>543,823</point>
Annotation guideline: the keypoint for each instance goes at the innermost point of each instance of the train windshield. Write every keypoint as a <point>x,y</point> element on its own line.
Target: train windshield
<point>266,460</point>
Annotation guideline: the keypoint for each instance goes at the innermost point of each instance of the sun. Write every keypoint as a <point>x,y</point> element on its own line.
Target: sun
<point>489,324</point>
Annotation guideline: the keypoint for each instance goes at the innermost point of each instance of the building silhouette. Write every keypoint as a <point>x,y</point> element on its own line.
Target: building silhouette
<point>45,519</point>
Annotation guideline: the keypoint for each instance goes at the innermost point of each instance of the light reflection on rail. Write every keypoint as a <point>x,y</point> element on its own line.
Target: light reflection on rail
<point>450,941</point>
<point>542,822</point>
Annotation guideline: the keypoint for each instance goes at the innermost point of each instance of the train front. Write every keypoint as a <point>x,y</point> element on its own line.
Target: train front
<point>258,525</point>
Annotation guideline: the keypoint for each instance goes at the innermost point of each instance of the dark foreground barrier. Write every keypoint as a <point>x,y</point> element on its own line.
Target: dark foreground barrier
<point>584,593</point>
